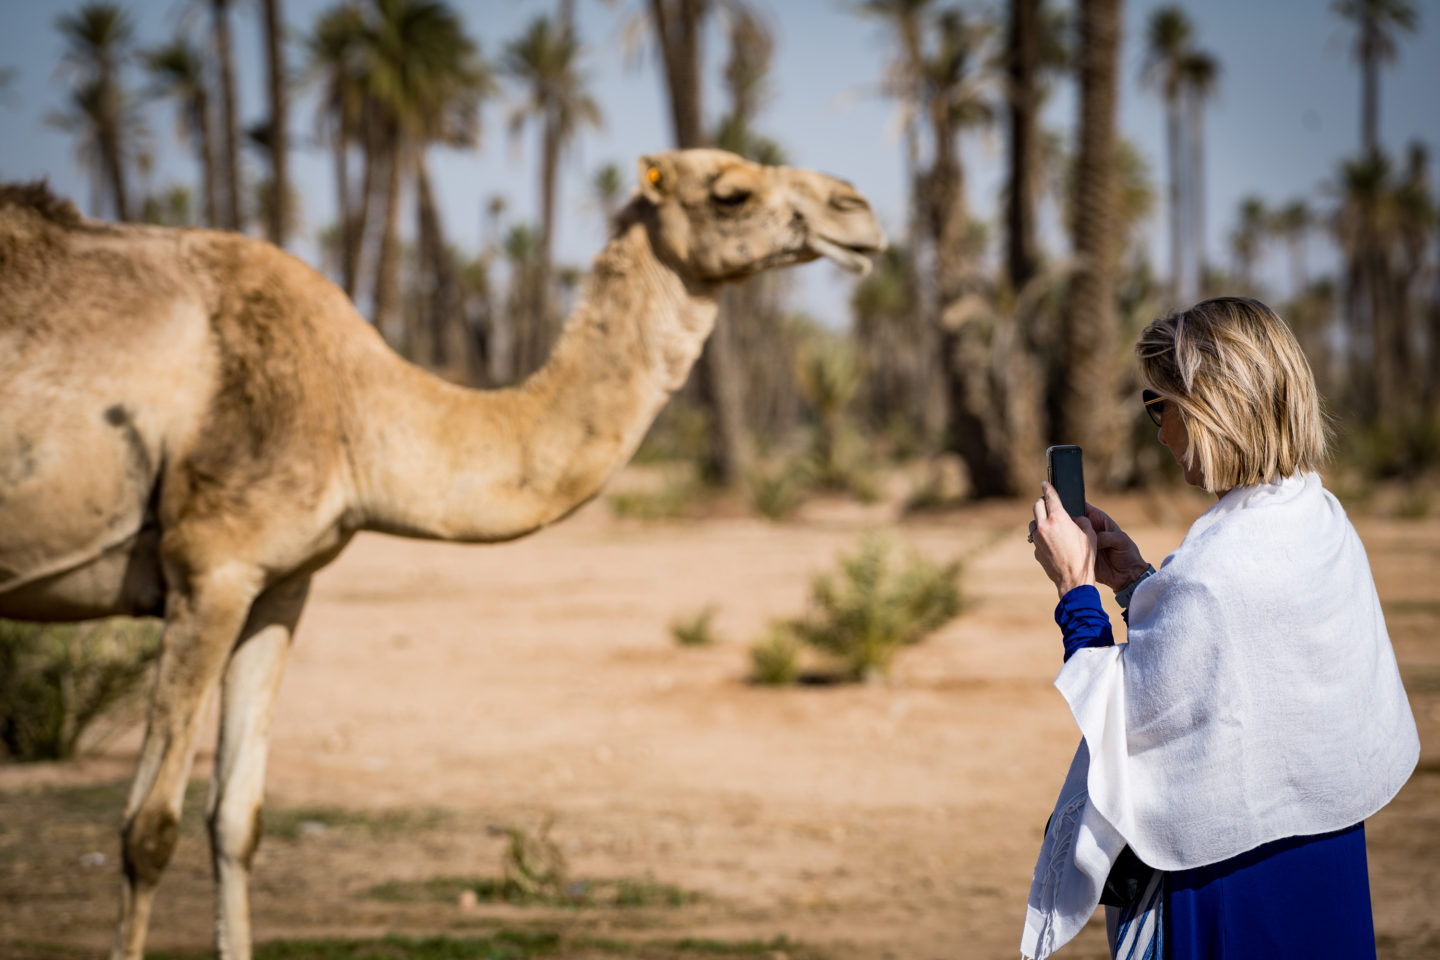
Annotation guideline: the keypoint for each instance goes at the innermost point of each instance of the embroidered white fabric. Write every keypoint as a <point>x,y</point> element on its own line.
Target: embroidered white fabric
<point>1257,698</point>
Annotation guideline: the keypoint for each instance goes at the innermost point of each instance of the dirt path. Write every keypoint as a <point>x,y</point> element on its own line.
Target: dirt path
<point>470,688</point>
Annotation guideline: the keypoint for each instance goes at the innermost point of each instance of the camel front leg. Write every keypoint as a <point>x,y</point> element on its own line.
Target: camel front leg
<point>203,620</point>
<point>252,681</point>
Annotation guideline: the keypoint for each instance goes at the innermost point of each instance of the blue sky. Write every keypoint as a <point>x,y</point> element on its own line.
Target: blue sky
<point>1286,115</point>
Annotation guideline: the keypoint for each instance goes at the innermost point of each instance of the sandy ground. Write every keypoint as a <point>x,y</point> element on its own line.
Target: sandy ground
<point>474,687</point>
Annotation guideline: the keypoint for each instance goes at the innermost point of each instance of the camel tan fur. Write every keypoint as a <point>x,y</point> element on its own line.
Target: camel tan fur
<point>193,422</point>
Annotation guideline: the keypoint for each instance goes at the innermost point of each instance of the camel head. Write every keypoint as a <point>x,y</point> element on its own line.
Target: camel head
<point>717,216</point>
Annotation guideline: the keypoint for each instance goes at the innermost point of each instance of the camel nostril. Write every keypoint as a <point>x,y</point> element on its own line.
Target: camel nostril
<point>848,203</point>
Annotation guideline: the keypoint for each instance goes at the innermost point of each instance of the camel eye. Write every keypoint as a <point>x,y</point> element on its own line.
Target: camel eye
<point>733,199</point>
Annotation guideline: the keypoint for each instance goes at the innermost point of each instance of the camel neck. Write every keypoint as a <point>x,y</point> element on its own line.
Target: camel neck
<point>489,465</point>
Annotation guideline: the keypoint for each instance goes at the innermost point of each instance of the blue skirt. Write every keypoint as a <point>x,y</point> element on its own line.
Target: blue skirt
<point>1298,897</point>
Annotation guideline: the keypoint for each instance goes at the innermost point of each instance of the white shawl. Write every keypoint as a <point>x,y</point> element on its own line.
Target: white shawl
<point>1257,698</point>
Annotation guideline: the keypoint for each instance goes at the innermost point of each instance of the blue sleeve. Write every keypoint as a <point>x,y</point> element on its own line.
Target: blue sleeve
<point>1083,620</point>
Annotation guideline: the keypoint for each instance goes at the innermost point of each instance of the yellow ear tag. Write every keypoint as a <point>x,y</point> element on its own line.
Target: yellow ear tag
<point>653,175</point>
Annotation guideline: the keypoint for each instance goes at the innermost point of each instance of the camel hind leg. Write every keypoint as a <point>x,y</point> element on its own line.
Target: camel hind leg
<point>204,617</point>
<point>248,691</point>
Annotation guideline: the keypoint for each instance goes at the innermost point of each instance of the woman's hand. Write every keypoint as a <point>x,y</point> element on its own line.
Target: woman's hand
<point>1064,547</point>
<point>1117,560</point>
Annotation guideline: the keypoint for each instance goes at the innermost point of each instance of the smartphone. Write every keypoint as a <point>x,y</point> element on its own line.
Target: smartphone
<point>1066,474</point>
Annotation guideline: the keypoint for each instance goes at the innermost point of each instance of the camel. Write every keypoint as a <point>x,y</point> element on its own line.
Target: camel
<point>194,422</point>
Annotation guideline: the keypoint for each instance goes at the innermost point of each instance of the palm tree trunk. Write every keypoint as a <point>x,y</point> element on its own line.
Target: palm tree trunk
<point>1370,84</point>
<point>1021,381</point>
<point>279,118</point>
<point>205,148</point>
<point>376,149</point>
<point>387,262</point>
<point>973,426</point>
<point>1089,414</point>
<point>344,215</point>
<point>114,164</point>
<point>541,323</point>
<point>234,190</point>
<point>1196,218</point>
<point>1023,64</point>
<point>448,332</point>
<point>1178,291</point>
<point>678,25</point>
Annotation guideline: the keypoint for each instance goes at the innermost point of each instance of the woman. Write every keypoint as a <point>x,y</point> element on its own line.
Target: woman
<point>1234,746</point>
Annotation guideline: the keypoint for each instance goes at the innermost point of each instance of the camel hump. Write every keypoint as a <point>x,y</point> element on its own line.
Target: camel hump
<point>36,197</point>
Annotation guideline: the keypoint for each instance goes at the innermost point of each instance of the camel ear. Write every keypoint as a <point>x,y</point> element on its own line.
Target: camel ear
<point>657,179</point>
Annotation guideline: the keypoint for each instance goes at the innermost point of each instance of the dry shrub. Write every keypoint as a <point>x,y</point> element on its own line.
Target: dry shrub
<point>876,605</point>
<point>57,680</point>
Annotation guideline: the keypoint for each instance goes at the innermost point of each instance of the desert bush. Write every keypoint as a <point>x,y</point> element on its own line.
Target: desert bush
<point>694,630</point>
<point>829,372</point>
<point>533,866</point>
<point>778,491</point>
<point>876,605</point>
<point>677,498</point>
<point>681,432</point>
<point>1389,449</point>
<point>57,680</point>
<point>775,658</point>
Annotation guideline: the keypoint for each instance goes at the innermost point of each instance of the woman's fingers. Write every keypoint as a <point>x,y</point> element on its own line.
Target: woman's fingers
<point>1100,518</point>
<point>1053,506</point>
<point>1039,511</point>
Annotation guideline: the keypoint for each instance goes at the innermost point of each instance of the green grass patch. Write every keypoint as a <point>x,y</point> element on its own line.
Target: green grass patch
<point>505,944</point>
<point>694,630</point>
<point>623,893</point>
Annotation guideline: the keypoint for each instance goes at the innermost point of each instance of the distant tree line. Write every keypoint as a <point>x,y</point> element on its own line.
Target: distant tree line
<point>970,337</point>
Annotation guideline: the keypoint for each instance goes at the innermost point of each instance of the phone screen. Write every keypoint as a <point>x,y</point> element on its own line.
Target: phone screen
<point>1067,476</point>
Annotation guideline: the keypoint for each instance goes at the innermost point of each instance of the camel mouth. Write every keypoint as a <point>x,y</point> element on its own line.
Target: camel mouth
<point>852,259</point>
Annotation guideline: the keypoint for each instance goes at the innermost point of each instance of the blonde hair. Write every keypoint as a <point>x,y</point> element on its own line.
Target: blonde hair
<point>1243,388</point>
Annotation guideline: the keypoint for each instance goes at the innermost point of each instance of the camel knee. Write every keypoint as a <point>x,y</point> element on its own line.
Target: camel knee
<point>235,835</point>
<point>147,842</point>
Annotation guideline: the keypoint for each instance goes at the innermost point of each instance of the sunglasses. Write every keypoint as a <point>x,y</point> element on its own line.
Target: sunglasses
<point>1154,405</point>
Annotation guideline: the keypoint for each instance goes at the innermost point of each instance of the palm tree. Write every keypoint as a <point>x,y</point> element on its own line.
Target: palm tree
<point>608,187</point>
<point>1363,224</point>
<point>1022,65</point>
<point>751,339</point>
<point>678,27</point>
<point>1167,45</point>
<point>279,211</point>
<point>1089,414</point>
<point>178,70</point>
<point>423,80</point>
<point>752,45</point>
<point>229,119</point>
<point>335,49</point>
<point>1200,75</point>
<point>1036,49</point>
<point>1376,23</point>
<point>1415,219</point>
<point>1293,223</point>
<point>545,61</point>
<point>97,43</point>
<point>1249,234</point>
<point>956,100</point>
<point>521,248</point>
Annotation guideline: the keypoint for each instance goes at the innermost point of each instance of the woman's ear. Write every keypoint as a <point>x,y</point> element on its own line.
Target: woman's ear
<point>656,179</point>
